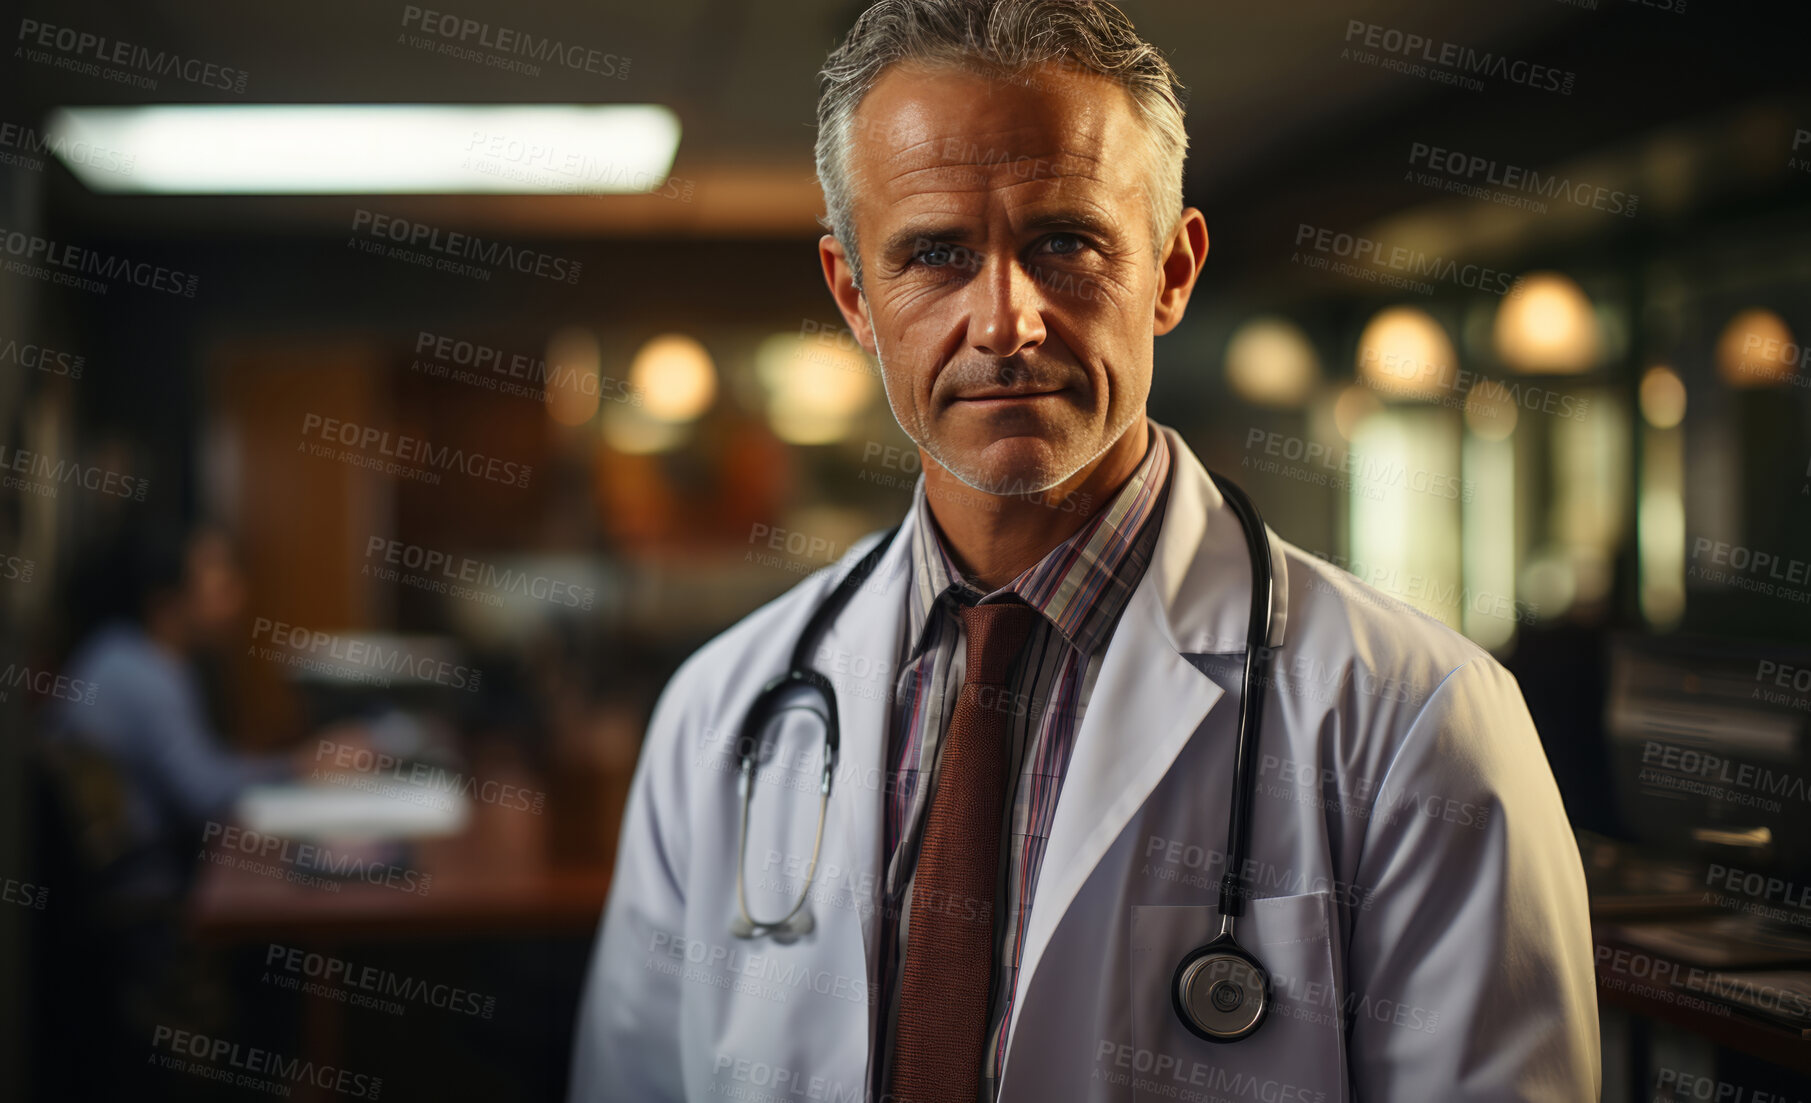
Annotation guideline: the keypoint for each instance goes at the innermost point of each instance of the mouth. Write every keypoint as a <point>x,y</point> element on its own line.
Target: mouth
<point>1004,397</point>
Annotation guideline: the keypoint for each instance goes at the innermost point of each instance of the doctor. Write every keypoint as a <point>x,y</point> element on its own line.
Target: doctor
<point>1037,691</point>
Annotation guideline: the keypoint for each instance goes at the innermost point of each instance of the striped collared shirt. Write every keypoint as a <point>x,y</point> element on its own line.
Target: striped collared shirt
<point>1081,587</point>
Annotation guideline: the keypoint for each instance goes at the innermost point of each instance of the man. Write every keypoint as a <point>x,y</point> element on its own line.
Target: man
<point>134,768</point>
<point>1027,828</point>
<point>170,593</point>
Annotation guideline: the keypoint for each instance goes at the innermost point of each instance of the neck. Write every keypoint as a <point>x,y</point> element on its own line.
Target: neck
<point>993,537</point>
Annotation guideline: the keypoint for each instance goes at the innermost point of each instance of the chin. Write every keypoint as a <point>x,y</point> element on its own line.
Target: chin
<point>1018,465</point>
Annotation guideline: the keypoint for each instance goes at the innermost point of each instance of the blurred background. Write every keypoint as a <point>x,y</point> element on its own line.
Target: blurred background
<point>369,468</point>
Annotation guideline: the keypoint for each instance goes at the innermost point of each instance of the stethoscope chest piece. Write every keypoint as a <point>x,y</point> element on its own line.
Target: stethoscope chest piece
<point>785,932</point>
<point>1220,992</point>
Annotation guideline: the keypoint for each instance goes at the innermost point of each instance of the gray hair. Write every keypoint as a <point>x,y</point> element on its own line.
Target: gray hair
<point>1001,38</point>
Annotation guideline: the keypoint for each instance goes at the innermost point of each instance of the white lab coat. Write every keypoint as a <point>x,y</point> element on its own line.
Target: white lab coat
<point>1421,904</point>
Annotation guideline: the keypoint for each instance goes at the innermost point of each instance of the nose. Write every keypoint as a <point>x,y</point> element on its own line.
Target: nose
<point>1005,313</point>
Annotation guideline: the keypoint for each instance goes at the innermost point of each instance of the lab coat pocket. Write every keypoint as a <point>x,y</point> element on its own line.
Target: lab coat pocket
<point>1297,1055</point>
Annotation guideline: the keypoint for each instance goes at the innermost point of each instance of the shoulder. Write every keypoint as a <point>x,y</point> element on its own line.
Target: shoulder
<point>1335,616</point>
<point>123,662</point>
<point>1391,689</point>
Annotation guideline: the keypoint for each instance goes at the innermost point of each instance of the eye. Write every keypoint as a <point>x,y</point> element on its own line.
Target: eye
<point>1064,245</point>
<point>936,256</point>
<point>942,255</point>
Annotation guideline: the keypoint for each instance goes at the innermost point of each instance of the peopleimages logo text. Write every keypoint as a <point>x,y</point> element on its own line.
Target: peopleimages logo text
<point>78,45</point>
<point>305,860</point>
<point>48,360</point>
<point>252,1067</point>
<point>447,356</point>
<point>1473,168</point>
<point>506,40</point>
<point>373,441</point>
<point>1748,561</point>
<point>73,260</point>
<point>33,147</point>
<point>375,981</point>
<point>36,465</point>
<point>451,243</point>
<point>312,648</point>
<point>1415,262</point>
<point>1460,58</point>
<point>46,683</point>
<point>444,571</point>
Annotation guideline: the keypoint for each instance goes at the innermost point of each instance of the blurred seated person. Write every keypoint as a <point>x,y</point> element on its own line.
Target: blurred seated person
<point>167,595</point>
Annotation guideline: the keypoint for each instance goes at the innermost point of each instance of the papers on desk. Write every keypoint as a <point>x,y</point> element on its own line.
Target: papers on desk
<point>374,809</point>
<point>1724,953</point>
<point>1779,997</point>
<point>1719,941</point>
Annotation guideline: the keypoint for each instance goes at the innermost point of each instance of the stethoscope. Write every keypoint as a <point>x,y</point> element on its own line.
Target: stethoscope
<point>1220,991</point>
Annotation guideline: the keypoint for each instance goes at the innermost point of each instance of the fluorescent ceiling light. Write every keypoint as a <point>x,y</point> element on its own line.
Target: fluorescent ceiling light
<point>367,149</point>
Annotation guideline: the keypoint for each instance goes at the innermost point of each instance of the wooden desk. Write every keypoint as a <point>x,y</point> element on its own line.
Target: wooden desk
<point>496,878</point>
<point>464,898</point>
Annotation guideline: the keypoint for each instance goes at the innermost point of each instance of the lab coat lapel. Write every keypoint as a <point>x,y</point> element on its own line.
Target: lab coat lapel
<point>1194,598</point>
<point>1146,703</point>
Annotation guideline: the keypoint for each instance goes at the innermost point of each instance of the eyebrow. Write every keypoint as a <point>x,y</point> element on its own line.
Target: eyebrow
<point>1072,220</point>
<point>902,241</point>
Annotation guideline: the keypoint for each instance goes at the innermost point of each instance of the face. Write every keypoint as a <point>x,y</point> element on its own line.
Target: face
<point>1010,287</point>
<point>214,591</point>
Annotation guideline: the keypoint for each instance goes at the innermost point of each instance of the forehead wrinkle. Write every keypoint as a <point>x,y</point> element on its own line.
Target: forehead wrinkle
<point>1085,139</point>
<point>1054,192</point>
<point>971,178</point>
<point>979,175</point>
<point>995,155</point>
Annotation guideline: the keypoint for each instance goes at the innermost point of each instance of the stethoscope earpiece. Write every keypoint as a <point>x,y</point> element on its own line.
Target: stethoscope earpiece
<point>1220,992</point>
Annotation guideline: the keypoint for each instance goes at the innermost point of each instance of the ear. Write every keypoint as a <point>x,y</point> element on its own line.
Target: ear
<point>841,278</point>
<point>1180,266</point>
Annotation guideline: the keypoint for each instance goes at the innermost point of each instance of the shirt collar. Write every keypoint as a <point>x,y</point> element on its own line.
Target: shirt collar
<point>1081,585</point>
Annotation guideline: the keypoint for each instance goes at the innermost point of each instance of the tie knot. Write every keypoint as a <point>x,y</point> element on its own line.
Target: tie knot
<point>995,633</point>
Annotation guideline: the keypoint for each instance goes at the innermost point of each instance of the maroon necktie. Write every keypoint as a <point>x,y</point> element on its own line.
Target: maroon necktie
<point>940,1040</point>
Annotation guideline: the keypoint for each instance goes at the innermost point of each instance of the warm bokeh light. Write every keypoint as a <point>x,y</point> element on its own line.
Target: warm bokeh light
<point>1404,351</point>
<point>1403,541</point>
<point>627,429</point>
<point>1548,325</point>
<point>1591,491</point>
<point>1662,397</point>
<point>675,377</point>
<point>1488,550</point>
<point>1756,350</point>
<point>1270,362</point>
<point>572,376</point>
<point>1352,407</point>
<point>1550,583</point>
<point>1660,507</point>
<point>814,388</point>
<point>1490,411</point>
<point>1660,532</point>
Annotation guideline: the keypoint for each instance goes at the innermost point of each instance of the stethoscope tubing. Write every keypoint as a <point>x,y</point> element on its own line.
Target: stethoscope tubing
<point>1233,887</point>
